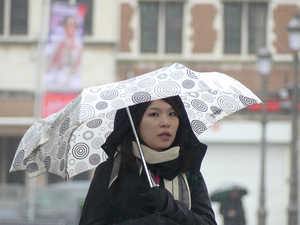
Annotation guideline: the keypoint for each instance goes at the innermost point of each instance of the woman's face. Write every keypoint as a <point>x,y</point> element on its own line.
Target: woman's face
<point>159,125</point>
<point>70,28</point>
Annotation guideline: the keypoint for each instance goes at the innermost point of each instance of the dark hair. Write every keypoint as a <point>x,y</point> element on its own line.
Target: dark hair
<point>66,21</point>
<point>128,159</point>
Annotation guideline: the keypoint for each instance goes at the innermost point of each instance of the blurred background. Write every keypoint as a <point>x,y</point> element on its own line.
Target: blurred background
<point>50,50</point>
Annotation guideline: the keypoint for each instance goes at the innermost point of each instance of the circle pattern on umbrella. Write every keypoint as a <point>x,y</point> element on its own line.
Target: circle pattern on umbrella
<point>69,141</point>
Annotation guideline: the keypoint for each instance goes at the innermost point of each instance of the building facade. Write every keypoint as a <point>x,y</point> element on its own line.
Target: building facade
<point>23,25</point>
<point>126,38</point>
<point>204,35</point>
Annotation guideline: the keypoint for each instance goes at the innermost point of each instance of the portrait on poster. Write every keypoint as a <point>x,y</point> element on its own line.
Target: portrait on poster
<point>64,48</point>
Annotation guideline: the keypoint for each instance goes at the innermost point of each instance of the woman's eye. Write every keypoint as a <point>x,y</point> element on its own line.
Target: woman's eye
<point>173,114</point>
<point>153,114</point>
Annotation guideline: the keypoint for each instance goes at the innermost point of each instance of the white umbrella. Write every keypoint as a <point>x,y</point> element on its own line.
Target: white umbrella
<point>69,142</point>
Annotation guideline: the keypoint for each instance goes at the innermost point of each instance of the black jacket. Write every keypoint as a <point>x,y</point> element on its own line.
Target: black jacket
<point>236,205</point>
<point>120,204</point>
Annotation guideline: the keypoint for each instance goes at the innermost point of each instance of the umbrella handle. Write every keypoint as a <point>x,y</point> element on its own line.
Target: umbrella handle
<point>139,147</point>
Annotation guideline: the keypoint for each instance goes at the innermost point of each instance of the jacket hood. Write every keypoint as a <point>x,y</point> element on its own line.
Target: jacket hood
<point>122,127</point>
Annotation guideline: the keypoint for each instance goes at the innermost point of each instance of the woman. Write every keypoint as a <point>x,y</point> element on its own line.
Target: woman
<point>120,192</point>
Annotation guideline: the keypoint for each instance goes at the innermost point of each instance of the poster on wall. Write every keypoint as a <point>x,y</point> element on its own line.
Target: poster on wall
<point>64,48</point>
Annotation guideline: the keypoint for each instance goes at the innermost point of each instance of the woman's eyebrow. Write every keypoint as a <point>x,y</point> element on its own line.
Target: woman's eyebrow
<point>154,108</point>
<point>159,109</point>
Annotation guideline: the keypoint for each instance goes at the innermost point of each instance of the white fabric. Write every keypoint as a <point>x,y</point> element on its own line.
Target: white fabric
<point>69,141</point>
<point>154,157</point>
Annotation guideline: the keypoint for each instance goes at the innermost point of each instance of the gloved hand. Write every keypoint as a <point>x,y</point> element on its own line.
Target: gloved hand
<point>160,201</point>
<point>156,200</point>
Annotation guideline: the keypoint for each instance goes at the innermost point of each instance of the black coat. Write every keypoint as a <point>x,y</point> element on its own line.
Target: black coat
<point>120,204</point>
<point>233,204</point>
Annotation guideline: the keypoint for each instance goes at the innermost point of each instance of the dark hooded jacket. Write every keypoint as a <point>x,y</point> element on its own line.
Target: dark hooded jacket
<point>121,202</point>
<point>228,204</point>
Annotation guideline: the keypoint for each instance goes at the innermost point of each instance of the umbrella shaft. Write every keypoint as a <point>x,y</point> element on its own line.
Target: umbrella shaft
<point>139,147</point>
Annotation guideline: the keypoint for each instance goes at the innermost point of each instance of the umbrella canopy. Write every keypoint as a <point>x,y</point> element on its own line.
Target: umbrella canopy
<point>224,191</point>
<point>69,142</point>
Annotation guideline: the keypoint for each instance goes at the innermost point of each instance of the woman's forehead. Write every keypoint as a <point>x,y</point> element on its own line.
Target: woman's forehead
<point>159,104</point>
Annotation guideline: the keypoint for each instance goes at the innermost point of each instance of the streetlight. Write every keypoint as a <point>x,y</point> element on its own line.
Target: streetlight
<point>294,44</point>
<point>264,67</point>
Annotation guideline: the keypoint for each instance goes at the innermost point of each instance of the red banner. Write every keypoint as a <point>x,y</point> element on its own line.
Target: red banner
<point>53,102</point>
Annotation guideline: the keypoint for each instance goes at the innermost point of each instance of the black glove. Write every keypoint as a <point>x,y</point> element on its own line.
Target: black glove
<point>160,201</point>
<point>155,200</point>
<point>149,220</point>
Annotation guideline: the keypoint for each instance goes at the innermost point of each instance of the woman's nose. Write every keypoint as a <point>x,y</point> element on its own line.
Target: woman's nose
<point>165,121</point>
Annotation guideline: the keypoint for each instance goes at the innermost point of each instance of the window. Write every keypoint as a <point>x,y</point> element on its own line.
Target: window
<point>245,27</point>
<point>13,17</point>
<point>161,26</point>
<point>88,22</point>
<point>8,146</point>
<point>232,27</point>
<point>18,17</point>
<point>257,26</point>
<point>149,27</point>
<point>1,16</point>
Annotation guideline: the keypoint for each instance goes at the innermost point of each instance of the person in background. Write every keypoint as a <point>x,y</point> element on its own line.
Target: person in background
<point>232,209</point>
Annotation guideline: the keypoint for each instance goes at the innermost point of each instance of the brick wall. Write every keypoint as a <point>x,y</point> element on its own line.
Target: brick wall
<point>204,36</point>
<point>126,33</point>
<point>282,15</point>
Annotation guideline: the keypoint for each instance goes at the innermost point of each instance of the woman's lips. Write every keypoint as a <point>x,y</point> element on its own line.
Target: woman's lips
<point>165,135</point>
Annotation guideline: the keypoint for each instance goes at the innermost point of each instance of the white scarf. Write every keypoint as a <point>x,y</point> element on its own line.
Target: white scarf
<point>154,157</point>
<point>178,187</point>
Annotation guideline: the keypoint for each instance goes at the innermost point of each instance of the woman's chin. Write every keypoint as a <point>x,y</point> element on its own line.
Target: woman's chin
<point>160,148</point>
